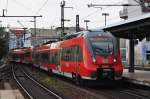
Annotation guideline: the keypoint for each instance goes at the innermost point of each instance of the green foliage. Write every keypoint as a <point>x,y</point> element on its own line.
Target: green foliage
<point>3,42</point>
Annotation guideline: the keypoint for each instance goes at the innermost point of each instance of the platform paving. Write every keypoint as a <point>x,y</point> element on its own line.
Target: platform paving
<point>141,77</point>
<point>10,94</point>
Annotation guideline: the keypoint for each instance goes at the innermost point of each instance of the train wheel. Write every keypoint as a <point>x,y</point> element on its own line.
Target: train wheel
<point>50,71</point>
<point>79,81</point>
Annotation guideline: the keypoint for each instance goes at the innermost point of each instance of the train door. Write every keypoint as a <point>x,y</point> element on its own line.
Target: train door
<point>78,58</point>
<point>76,49</point>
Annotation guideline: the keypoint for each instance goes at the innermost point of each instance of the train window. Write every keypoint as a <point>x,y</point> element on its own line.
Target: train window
<point>46,57</point>
<point>27,54</point>
<point>79,53</point>
<point>54,58</point>
<point>33,55</point>
<point>37,56</point>
<point>72,53</point>
<point>42,58</point>
<point>22,56</point>
<point>66,54</point>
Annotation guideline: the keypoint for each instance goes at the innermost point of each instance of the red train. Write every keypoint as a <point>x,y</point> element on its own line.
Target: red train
<point>16,55</point>
<point>27,57</point>
<point>90,55</point>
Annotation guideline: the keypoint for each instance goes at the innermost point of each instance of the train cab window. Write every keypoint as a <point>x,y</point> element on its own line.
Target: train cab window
<point>102,46</point>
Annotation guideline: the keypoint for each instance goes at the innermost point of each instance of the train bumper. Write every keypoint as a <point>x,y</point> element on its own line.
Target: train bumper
<point>105,73</point>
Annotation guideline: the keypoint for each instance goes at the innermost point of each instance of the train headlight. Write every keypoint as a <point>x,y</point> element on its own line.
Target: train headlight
<point>94,60</point>
<point>115,60</point>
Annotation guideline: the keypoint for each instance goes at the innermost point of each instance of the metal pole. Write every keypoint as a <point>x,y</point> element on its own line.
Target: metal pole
<point>105,20</point>
<point>35,29</point>
<point>131,55</point>
<point>35,26</point>
<point>86,26</point>
<point>86,22</point>
<point>62,17</point>
<point>24,34</point>
<point>77,23</point>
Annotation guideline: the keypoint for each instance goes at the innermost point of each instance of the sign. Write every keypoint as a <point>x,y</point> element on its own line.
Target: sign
<point>144,52</point>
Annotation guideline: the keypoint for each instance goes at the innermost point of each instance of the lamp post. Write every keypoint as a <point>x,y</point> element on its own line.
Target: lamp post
<point>105,14</point>
<point>86,22</point>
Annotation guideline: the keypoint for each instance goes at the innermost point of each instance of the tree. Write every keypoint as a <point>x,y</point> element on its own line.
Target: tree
<point>3,42</point>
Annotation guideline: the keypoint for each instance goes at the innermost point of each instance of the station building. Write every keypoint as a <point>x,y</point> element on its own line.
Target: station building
<point>19,38</point>
<point>43,35</point>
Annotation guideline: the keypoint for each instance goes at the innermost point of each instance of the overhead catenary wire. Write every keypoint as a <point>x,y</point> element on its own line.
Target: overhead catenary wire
<point>99,10</point>
<point>23,6</point>
<point>137,1</point>
<point>6,5</point>
<point>94,12</point>
<point>43,5</point>
<point>109,19</point>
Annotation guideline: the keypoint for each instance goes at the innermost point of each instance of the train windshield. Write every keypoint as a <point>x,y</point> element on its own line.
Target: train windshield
<point>102,45</point>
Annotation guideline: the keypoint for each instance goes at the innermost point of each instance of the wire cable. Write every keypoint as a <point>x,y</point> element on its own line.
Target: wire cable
<point>6,5</point>
<point>98,10</point>
<point>22,5</point>
<point>109,19</point>
<point>43,5</point>
<point>91,14</point>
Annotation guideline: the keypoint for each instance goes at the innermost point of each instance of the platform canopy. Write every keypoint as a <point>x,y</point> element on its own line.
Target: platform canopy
<point>134,28</point>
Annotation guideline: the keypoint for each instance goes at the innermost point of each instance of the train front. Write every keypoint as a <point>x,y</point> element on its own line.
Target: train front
<point>104,55</point>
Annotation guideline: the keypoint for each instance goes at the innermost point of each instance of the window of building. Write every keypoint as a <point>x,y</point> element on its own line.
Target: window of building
<point>148,39</point>
<point>148,55</point>
<point>147,4</point>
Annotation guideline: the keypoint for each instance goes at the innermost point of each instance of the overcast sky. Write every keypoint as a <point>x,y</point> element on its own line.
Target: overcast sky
<point>50,10</point>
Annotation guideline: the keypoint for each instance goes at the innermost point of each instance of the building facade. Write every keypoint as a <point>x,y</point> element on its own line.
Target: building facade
<point>19,38</point>
<point>42,35</point>
<point>45,35</point>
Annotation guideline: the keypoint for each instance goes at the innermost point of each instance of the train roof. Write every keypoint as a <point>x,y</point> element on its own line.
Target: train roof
<point>55,45</point>
<point>89,33</point>
<point>18,51</point>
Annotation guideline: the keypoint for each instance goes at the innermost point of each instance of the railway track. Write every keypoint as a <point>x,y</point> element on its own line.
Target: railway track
<point>32,88</point>
<point>113,92</point>
<point>5,73</point>
<point>137,92</point>
<point>122,92</point>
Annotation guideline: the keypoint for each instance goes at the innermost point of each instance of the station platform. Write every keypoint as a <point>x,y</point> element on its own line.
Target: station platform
<point>141,77</point>
<point>10,94</point>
